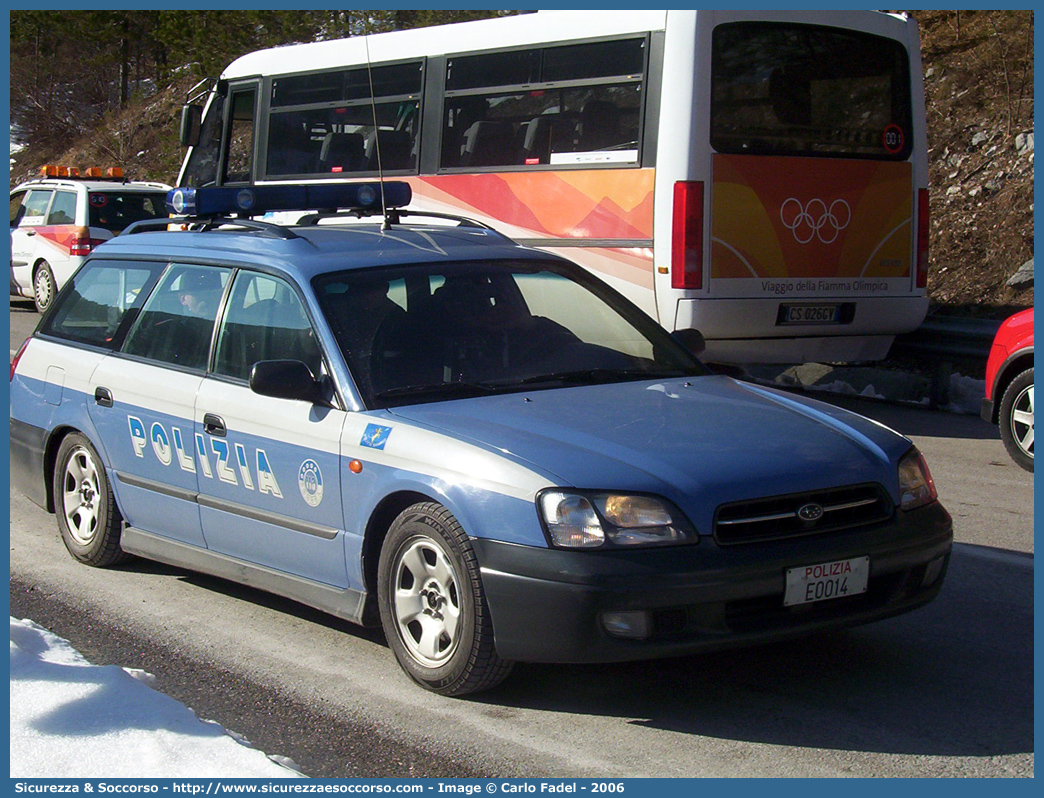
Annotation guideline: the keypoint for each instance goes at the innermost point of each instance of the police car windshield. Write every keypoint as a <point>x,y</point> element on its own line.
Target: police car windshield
<point>413,334</point>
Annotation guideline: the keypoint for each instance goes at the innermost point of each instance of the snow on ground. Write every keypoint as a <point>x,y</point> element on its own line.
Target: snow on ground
<point>72,719</point>
<point>16,146</point>
<point>966,395</point>
<point>840,386</point>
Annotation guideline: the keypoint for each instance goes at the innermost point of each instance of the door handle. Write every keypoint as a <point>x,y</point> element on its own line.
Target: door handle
<point>103,397</point>
<point>214,425</point>
<point>30,232</point>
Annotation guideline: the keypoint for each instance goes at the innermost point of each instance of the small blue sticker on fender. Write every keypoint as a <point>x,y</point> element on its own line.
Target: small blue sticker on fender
<point>375,436</point>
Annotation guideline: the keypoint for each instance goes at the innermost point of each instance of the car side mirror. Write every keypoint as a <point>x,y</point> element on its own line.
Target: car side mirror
<point>286,379</point>
<point>191,120</point>
<point>692,340</point>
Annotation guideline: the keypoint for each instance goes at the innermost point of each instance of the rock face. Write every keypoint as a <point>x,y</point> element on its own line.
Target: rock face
<point>979,101</point>
<point>1023,278</point>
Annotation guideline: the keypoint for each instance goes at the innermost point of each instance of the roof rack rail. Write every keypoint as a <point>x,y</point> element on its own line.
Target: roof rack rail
<point>393,216</point>
<point>204,224</point>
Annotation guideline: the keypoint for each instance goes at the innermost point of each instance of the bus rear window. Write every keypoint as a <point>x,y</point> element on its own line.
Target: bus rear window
<point>786,89</point>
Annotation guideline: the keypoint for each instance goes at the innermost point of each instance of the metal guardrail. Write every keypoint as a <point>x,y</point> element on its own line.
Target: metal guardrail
<point>949,338</point>
<point>945,339</point>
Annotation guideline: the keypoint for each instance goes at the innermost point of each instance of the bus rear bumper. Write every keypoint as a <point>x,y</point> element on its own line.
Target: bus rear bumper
<point>748,330</point>
<point>817,349</point>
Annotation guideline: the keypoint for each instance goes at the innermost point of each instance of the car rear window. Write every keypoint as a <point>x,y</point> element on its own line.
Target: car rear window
<point>101,294</point>
<point>115,210</point>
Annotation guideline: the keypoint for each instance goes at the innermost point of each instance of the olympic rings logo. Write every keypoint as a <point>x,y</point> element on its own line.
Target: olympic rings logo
<point>815,219</point>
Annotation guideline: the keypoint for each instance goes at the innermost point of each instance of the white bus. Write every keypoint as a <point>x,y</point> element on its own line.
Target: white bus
<point>759,176</point>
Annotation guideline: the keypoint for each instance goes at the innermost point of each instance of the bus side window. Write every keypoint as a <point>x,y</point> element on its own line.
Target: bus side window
<point>598,126</point>
<point>239,159</point>
<point>341,152</point>
<point>487,144</point>
<point>571,105</point>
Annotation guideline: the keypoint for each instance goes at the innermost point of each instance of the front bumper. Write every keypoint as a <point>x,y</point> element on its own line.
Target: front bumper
<point>547,604</point>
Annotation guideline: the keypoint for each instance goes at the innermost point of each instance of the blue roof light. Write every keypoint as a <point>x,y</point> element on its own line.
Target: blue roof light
<point>257,200</point>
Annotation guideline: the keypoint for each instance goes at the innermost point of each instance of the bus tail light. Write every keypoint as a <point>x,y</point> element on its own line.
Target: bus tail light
<point>923,218</point>
<point>687,235</point>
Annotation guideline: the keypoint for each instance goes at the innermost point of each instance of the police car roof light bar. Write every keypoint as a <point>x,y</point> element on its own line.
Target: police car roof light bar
<point>258,200</point>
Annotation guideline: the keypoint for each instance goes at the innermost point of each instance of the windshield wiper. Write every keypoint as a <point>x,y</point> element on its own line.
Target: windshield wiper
<point>438,388</point>
<point>591,376</point>
<point>598,376</point>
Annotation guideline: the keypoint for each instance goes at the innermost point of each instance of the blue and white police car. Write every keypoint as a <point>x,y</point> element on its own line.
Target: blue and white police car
<point>477,445</point>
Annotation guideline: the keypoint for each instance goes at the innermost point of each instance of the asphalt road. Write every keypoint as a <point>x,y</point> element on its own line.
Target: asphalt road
<point>944,691</point>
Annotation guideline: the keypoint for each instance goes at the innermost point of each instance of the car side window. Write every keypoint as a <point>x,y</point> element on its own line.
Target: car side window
<point>177,323</point>
<point>63,209</point>
<point>264,320</point>
<point>17,207</point>
<point>102,295</point>
<point>36,206</point>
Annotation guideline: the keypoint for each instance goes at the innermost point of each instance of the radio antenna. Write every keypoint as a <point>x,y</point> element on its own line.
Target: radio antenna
<point>376,131</point>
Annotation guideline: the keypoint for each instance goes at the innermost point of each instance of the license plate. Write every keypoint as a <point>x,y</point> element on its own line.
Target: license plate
<point>826,580</point>
<point>809,314</point>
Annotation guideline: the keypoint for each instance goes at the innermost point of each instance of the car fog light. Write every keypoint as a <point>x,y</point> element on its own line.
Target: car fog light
<point>932,572</point>
<point>632,625</point>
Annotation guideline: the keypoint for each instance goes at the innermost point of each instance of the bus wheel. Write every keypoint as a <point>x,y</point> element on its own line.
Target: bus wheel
<point>433,608</point>
<point>1016,419</point>
<point>88,518</point>
<point>43,286</point>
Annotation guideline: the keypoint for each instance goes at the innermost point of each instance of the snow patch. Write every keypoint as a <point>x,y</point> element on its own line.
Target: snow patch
<point>72,719</point>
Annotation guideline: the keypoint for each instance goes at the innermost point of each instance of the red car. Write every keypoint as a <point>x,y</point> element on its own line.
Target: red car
<point>1009,386</point>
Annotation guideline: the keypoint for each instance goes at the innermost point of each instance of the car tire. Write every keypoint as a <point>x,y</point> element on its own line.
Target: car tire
<point>44,287</point>
<point>432,604</point>
<point>89,520</point>
<point>1016,419</point>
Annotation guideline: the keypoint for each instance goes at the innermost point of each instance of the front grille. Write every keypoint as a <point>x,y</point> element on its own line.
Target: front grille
<point>800,514</point>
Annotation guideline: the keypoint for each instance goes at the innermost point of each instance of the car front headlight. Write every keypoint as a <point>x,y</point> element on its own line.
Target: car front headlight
<point>916,486</point>
<point>590,520</point>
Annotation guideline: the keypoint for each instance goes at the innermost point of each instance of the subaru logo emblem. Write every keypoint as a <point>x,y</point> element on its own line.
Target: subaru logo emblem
<point>810,512</point>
